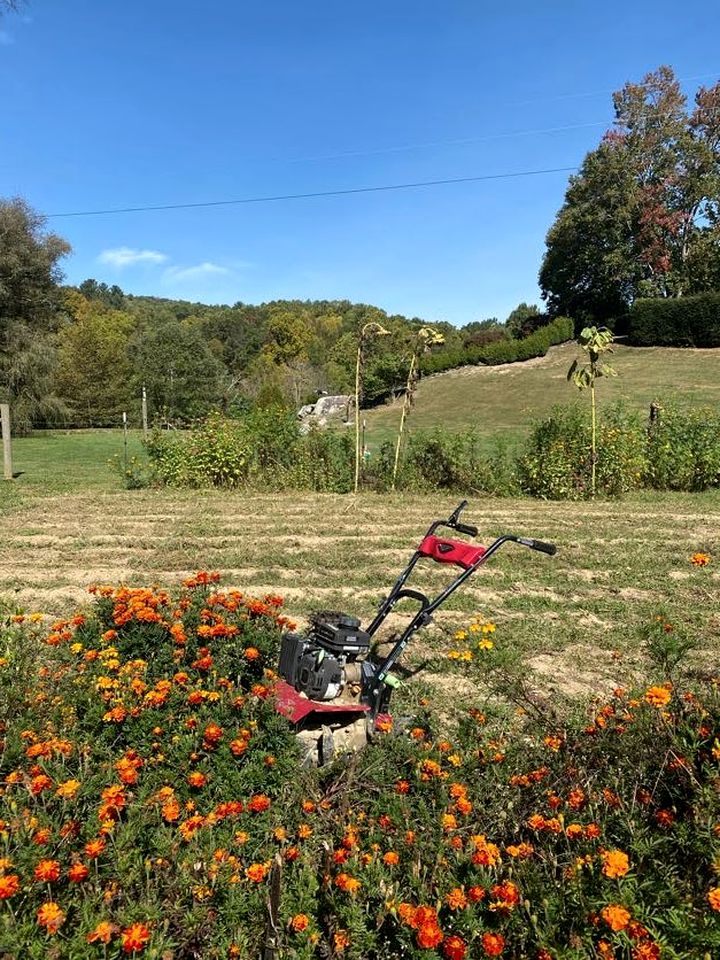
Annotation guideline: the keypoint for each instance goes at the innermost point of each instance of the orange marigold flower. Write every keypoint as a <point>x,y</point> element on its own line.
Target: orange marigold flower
<point>658,696</point>
<point>475,894</point>
<point>493,944</point>
<point>257,872</point>
<point>78,872</point>
<point>402,786</point>
<point>341,940</point>
<point>94,848</point>
<point>429,935</point>
<point>47,871</point>
<point>485,854</point>
<point>700,559</point>
<point>454,948</point>
<point>391,858</point>
<point>456,899</point>
<point>171,810</point>
<point>615,916</point>
<point>646,951</point>
<point>197,779</point>
<point>9,886</point>
<point>135,937</point>
<point>51,917</point>
<point>347,883</point>
<point>299,922</point>
<point>252,653</point>
<point>259,803</point>
<point>615,863</point>
<point>714,898</point>
<point>103,933</point>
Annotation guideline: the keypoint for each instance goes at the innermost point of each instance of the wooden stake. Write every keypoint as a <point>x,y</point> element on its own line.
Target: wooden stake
<point>7,448</point>
<point>144,411</point>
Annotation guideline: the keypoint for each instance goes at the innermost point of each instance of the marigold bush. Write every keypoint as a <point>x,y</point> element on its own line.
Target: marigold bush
<point>151,798</point>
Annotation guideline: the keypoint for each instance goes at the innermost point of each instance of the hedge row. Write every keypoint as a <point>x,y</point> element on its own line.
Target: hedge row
<point>682,322</point>
<point>502,351</point>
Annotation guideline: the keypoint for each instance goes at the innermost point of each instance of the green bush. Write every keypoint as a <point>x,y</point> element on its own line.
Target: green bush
<point>681,322</point>
<point>558,464</point>
<point>216,454</point>
<point>683,450</point>
<point>324,461</point>
<point>437,460</point>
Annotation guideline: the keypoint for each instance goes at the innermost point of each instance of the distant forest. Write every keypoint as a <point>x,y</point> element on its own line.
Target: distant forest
<point>192,357</point>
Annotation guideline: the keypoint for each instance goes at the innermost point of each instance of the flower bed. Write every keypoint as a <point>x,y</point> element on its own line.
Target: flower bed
<point>152,805</point>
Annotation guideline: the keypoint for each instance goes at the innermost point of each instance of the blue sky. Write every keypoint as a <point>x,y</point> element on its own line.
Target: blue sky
<point>107,105</point>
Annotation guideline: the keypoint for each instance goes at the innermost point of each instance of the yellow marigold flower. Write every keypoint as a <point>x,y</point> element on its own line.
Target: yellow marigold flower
<point>488,628</point>
<point>485,644</point>
<point>461,635</point>
<point>68,790</point>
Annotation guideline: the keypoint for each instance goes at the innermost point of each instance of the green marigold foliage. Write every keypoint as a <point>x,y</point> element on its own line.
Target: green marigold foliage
<point>151,796</point>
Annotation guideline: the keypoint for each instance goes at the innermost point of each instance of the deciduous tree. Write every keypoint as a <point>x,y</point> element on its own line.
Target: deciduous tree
<point>30,300</point>
<point>641,217</point>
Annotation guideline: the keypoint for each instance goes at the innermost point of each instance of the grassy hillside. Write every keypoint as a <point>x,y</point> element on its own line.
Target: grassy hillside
<point>504,400</point>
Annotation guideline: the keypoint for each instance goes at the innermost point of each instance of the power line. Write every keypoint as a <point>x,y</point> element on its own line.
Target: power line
<point>460,141</point>
<point>315,194</point>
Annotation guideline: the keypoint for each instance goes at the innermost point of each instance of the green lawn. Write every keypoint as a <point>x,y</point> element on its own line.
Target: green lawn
<point>61,461</point>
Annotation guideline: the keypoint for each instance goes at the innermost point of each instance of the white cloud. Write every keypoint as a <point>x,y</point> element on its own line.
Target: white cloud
<point>126,257</point>
<point>198,272</point>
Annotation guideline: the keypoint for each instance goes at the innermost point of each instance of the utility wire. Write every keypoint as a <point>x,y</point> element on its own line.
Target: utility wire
<point>461,141</point>
<point>315,194</point>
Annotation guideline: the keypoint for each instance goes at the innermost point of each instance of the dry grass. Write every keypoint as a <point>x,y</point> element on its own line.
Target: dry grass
<point>574,617</point>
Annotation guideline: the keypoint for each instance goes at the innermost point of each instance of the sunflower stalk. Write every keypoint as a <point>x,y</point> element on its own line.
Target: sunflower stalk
<point>424,341</point>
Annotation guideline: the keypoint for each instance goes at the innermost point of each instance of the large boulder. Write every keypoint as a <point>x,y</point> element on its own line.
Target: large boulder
<point>338,408</point>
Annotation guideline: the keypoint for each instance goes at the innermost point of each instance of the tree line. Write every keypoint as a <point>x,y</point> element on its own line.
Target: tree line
<point>82,355</point>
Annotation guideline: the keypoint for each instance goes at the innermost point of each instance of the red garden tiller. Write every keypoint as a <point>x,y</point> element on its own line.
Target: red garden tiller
<point>332,691</point>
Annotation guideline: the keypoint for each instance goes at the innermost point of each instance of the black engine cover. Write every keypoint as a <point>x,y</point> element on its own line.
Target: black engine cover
<point>319,675</point>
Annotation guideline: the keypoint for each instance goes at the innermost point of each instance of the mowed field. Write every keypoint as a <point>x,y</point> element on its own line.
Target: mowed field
<point>575,618</point>
<point>503,401</point>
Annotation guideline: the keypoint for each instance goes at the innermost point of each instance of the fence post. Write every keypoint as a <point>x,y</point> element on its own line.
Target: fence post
<point>144,411</point>
<point>7,448</point>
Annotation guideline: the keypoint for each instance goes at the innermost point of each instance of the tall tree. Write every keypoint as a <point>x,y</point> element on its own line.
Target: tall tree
<point>641,217</point>
<point>30,300</point>
<point>174,362</point>
<point>94,373</point>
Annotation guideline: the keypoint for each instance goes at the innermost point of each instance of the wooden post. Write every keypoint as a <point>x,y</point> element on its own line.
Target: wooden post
<point>7,448</point>
<point>125,441</point>
<point>144,411</point>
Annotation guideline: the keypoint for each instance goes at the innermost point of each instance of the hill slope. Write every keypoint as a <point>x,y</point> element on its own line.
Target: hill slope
<point>504,400</point>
